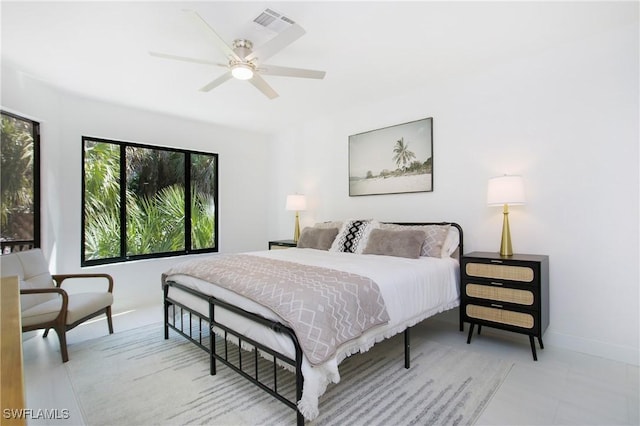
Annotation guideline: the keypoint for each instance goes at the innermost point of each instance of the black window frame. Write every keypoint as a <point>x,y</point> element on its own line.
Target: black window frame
<point>37,234</point>
<point>124,257</point>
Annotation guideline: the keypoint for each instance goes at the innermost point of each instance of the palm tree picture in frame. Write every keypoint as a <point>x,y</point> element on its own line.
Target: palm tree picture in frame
<point>392,160</point>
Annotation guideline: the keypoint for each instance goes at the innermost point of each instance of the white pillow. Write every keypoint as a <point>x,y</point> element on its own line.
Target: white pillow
<point>451,242</point>
<point>353,235</point>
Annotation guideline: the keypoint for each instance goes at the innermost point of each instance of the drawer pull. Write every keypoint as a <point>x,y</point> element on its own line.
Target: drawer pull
<point>496,261</point>
<point>495,305</point>
<point>496,283</point>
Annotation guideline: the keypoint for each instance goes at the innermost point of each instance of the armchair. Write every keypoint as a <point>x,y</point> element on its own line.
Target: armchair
<point>46,305</point>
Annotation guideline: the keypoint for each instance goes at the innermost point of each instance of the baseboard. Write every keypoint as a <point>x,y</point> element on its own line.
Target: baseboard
<point>626,354</point>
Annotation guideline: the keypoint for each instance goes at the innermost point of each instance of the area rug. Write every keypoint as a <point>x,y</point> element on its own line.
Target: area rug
<point>138,378</point>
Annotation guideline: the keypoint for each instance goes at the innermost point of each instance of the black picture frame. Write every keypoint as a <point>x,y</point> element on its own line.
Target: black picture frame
<point>392,160</point>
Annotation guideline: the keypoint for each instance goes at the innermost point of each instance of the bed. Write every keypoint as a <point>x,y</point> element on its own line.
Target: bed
<point>404,273</point>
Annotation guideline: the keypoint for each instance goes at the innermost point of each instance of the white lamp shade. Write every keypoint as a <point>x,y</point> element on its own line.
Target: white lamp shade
<point>296,202</point>
<point>505,190</point>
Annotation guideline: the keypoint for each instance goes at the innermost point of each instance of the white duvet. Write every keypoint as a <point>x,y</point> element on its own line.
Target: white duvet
<point>413,289</point>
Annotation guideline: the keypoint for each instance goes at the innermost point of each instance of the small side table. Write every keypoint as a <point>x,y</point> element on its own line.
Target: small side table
<point>510,293</point>
<point>281,244</point>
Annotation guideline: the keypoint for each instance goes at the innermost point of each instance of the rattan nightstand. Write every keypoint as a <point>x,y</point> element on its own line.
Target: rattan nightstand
<point>506,292</point>
<point>281,244</point>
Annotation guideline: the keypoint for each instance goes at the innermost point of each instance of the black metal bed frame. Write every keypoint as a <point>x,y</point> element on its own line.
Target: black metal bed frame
<point>200,338</point>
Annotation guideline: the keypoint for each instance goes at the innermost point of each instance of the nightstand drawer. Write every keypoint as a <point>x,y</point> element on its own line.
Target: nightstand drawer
<point>500,272</point>
<point>501,294</point>
<point>501,316</point>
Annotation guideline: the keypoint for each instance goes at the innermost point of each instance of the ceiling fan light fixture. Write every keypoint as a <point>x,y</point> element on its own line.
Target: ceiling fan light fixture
<point>242,71</point>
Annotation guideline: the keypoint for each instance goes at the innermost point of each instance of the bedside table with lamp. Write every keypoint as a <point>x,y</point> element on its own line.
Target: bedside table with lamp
<point>505,290</point>
<point>296,203</point>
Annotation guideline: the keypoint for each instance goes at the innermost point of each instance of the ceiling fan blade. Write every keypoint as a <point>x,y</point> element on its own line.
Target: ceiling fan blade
<point>217,82</point>
<point>263,86</point>
<point>224,47</point>
<point>277,43</point>
<point>290,72</point>
<point>186,59</point>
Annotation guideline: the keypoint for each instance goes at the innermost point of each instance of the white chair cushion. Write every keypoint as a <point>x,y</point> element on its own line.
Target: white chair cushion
<point>10,266</point>
<point>83,304</point>
<point>42,312</point>
<point>31,268</point>
<point>35,267</point>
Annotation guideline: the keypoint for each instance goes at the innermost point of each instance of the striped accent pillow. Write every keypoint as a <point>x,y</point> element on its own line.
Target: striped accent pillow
<point>353,236</point>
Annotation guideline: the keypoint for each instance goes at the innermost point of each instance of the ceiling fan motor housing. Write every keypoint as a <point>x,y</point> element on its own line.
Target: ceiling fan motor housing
<point>242,47</point>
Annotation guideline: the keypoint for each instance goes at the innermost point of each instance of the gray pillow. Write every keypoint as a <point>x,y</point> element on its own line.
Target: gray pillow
<point>435,237</point>
<point>407,243</point>
<point>317,238</point>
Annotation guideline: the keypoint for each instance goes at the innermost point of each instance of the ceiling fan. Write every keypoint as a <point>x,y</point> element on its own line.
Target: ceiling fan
<point>245,63</point>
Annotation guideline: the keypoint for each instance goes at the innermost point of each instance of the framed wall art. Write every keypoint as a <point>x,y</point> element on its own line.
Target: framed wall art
<point>392,160</point>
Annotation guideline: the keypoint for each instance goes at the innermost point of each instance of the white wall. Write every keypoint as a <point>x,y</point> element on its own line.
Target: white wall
<point>567,120</point>
<point>65,118</point>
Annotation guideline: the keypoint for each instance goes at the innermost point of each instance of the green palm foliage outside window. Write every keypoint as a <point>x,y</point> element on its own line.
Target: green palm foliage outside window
<point>165,197</point>
<point>101,200</point>
<point>203,201</point>
<point>19,183</point>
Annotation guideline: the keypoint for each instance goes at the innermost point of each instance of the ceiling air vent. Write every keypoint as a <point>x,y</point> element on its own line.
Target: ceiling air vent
<point>273,21</point>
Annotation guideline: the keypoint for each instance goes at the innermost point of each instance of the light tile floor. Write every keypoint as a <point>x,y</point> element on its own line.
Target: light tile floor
<point>562,388</point>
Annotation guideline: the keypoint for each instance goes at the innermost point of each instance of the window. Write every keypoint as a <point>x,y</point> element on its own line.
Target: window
<point>142,201</point>
<point>19,183</point>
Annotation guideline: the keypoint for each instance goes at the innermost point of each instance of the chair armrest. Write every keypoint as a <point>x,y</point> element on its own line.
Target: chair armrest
<point>61,292</point>
<point>59,278</point>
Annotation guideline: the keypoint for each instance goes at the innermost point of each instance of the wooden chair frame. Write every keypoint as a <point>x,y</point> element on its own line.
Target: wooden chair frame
<point>59,324</point>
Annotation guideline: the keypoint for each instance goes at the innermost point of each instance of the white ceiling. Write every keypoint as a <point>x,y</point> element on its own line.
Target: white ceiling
<point>371,51</point>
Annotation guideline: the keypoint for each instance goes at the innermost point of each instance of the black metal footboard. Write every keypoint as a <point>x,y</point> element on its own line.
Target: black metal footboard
<point>254,378</point>
<point>193,331</point>
<point>177,320</point>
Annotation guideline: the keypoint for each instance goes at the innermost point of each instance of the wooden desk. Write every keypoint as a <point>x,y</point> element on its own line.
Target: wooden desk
<point>11,372</point>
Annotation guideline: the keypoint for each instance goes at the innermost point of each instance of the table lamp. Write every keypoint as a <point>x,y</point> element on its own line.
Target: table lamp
<point>505,190</point>
<point>296,203</point>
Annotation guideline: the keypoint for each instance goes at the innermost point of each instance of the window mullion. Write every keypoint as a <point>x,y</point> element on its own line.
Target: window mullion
<point>123,201</point>
<point>187,202</point>
<point>36,184</point>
